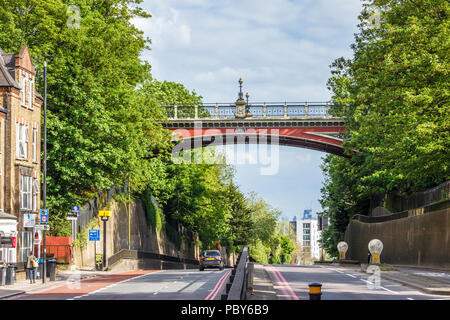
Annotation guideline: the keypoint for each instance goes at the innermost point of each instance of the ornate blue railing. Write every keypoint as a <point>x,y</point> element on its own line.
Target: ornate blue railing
<point>291,110</point>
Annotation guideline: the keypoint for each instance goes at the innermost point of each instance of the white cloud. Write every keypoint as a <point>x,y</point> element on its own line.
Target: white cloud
<point>281,48</point>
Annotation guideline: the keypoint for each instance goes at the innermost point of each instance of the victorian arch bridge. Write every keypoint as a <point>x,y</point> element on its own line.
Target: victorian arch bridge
<point>304,124</point>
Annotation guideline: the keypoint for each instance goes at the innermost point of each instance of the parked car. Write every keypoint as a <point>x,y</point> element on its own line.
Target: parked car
<point>211,259</point>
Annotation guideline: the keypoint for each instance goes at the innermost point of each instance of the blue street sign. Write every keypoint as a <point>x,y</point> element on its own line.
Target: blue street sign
<point>75,209</point>
<point>94,235</point>
<point>44,215</point>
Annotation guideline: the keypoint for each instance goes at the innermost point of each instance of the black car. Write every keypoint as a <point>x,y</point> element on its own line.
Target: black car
<point>211,259</point>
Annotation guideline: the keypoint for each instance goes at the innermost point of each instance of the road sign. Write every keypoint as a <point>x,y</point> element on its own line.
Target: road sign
<point>75,209</point>
<point>6,242</point>
<point>94,235</point>
<point>41,227</point>
<point>44,215</point>
<point>72,216</point>
<point>29,220</point>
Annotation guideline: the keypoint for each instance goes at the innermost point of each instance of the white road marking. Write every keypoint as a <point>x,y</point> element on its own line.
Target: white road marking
<point>410,298</point>
<point>350,275</point>
<point>116,283</point>
<point>380,287</point>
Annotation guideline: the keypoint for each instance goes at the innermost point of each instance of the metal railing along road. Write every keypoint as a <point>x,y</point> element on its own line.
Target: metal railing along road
<point>291,110</point>
<point>238,278</point>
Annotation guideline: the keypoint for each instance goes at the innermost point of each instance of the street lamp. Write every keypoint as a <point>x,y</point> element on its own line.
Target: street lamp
<point>104,215</point>
<point>44,189</point>
<point>247,111</point>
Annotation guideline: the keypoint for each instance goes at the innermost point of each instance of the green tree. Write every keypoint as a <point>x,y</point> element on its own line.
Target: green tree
<point>286,249</point>
<point>240,216</point>
<point>99,132</point>
<point>263,232</point>
<point>394,96</point>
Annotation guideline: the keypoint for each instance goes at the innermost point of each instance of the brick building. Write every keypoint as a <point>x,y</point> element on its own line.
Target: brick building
<point>20,149</point>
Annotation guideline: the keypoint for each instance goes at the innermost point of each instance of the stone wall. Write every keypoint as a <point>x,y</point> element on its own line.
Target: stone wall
<point>142,236</point>
<point>422,240</point>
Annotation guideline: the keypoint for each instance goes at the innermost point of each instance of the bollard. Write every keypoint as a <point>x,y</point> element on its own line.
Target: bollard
<point>315,291</point>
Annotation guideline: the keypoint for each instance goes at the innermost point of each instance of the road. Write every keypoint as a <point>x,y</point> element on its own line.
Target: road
<point>290,282</point>
<point>339,283</point>
<point>140,285</point>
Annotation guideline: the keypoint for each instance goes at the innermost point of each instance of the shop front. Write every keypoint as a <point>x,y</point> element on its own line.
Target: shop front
<point>8,238</point>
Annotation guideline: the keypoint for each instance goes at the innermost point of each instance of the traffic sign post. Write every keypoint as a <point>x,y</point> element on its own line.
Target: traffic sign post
<point>73,216</point>
<point>75,209</point>
<point>42,227</point>
<point>94,235</point>
<point>44,215</point>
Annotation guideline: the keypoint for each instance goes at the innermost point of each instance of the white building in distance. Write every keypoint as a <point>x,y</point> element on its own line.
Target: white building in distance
<point>308,234</point>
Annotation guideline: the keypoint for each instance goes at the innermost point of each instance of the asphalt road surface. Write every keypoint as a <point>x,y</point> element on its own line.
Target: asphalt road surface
<point>339,283</point>
<point>140,285</point>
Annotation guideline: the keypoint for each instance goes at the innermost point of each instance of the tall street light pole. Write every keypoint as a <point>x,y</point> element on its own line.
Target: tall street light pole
<point>44,188</point>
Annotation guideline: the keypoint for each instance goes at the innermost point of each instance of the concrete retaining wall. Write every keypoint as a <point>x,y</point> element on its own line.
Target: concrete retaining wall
<point>143,237</point>
<point>422,240</point>
<point>150,264</point>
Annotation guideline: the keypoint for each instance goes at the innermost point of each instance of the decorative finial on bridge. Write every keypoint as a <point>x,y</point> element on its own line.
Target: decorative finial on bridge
<point>241,95</point>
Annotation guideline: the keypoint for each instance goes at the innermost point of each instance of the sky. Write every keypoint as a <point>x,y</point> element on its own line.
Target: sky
<point>281,48</point>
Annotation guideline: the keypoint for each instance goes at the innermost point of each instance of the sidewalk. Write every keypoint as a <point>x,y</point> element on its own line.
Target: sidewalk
<point>262,285</point>
<point>63,277</point>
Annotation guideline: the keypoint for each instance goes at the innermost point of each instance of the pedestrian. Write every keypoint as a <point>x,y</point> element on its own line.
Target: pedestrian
<point>32,265</point>
<point>369,256</point>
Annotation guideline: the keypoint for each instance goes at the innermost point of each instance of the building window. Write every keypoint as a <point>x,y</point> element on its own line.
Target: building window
<point>26,192</point>
<point>27,92</point>
<point>34,142</point>
<point>306,238</point>
<point>306,225</point>
<point>306,231</point>
<point>26,245</point>
<point>21,141</point>
<point>35,194</point>
<point>30,94</point>
<point>22,92</point>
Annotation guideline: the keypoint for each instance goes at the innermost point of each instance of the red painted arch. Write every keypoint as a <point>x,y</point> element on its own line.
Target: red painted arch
<point>304,137</point>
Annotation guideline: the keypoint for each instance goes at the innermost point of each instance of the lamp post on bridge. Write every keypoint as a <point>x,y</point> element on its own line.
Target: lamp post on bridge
<point>247,109</point>
<point>241,106</point>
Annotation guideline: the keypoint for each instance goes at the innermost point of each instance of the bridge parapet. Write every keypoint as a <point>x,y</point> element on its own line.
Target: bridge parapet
<point>275,111</point>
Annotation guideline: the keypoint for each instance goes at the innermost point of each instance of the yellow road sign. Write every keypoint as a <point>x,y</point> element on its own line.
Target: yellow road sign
<point>376,258</point>
<point>104,213</point>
